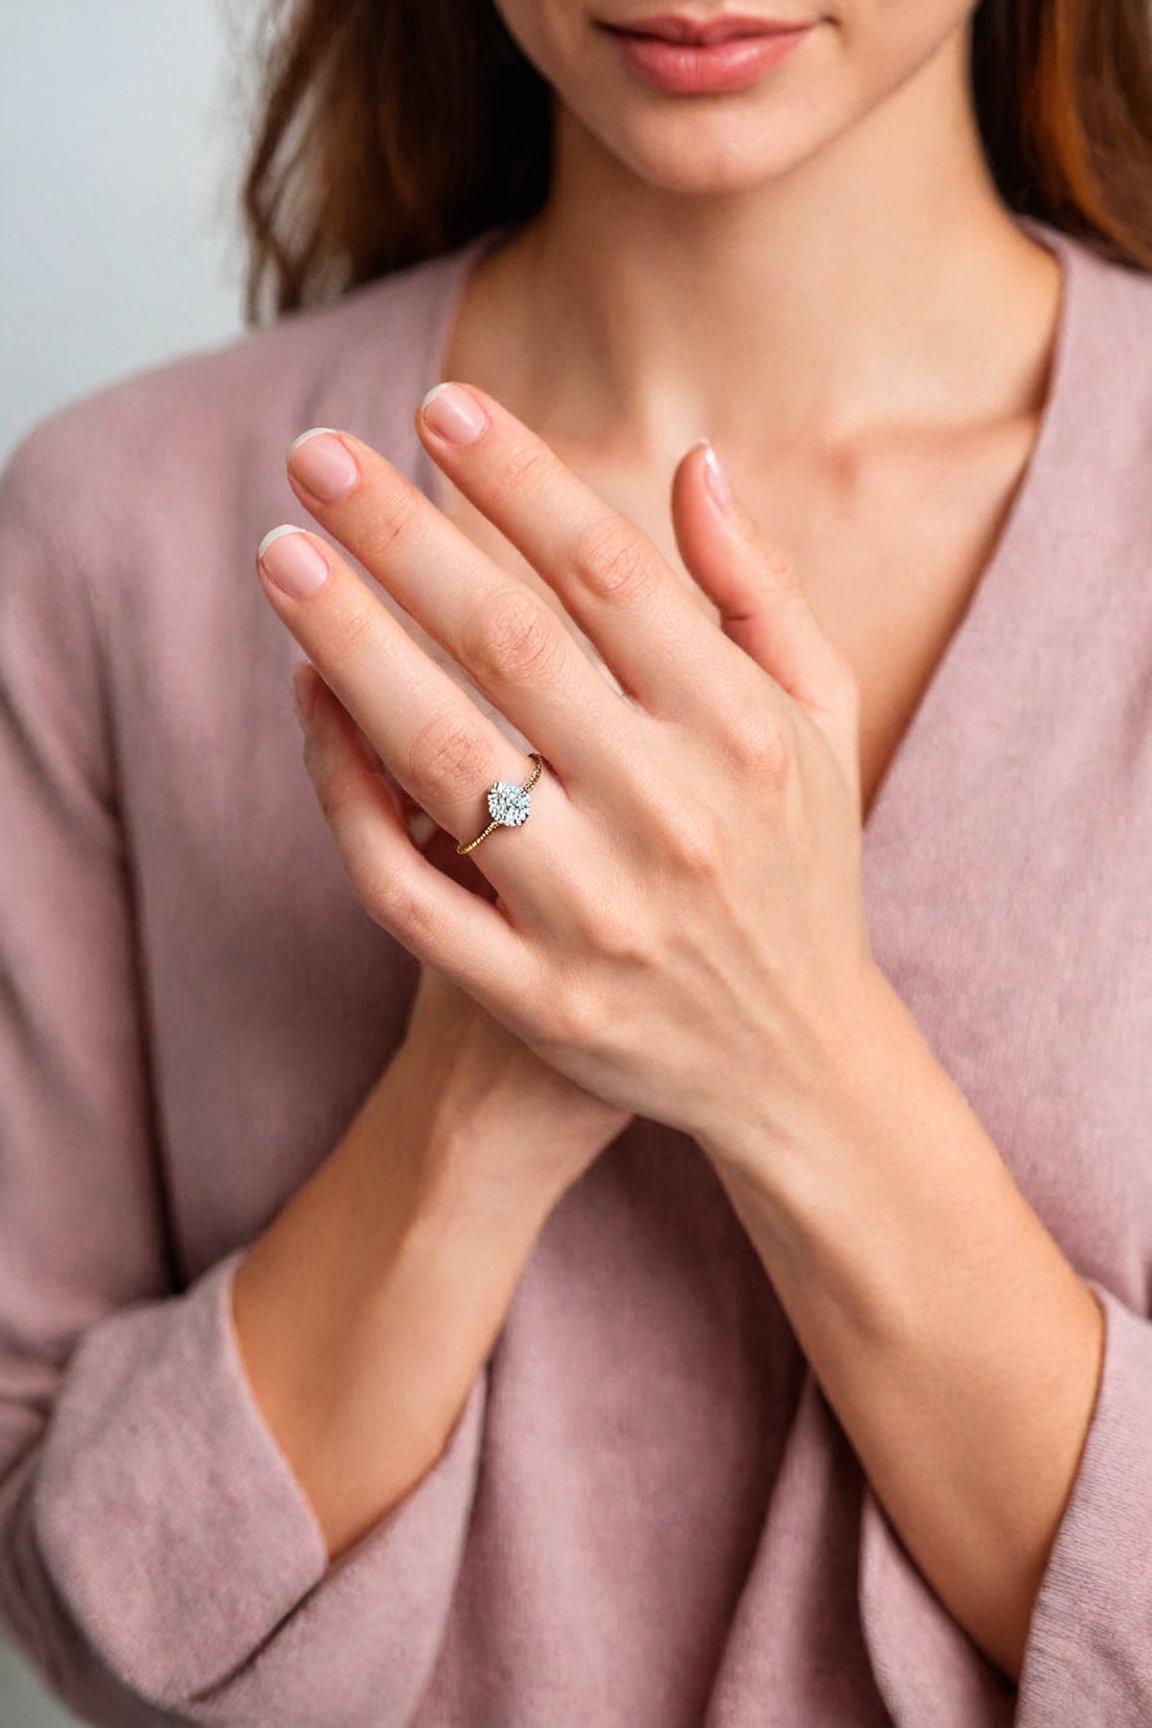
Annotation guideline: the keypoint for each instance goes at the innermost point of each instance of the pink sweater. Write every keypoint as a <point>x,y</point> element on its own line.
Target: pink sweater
<point>647,1515</point>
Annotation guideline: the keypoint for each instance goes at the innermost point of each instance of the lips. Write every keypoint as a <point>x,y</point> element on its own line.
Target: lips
<point>667,27</point>
<point>725,63</point>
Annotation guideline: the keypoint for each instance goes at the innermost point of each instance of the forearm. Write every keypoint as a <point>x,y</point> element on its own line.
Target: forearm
<point>367,1308</point>
<point>959,1348</point>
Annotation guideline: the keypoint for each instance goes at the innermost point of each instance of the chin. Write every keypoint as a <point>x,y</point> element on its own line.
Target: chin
<point>845,68</point>
<point>713,153</point>
<point>722,143</point>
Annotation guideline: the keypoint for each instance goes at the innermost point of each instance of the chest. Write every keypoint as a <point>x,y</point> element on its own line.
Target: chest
<point>890,558</point>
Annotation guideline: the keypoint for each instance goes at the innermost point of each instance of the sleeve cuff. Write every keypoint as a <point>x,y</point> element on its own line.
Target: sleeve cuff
<point>1088,1657</point>
<point>173,1525</point>
<point>1089,1652</point>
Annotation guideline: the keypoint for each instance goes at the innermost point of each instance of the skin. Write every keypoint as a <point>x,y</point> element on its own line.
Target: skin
<point>678,929</point>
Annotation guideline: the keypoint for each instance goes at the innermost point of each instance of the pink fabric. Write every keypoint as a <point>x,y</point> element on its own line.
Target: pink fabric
<point>647,1514</point>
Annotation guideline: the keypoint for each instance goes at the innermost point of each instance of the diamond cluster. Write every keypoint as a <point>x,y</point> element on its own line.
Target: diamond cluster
<point>509,805</point>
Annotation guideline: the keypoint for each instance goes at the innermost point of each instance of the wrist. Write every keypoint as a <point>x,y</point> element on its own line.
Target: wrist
<point>890,1156</point>
<point>505,1149</point>
<point>794,1113</point>
<point>516,1162</point>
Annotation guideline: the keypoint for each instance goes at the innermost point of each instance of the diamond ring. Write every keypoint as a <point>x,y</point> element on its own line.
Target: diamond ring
<point>508,805</point>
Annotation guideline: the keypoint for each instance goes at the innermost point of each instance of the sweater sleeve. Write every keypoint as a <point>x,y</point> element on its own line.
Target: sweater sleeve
<point>1089,1652</point>
<point>1088,1655</point>
<point>158,1558</point>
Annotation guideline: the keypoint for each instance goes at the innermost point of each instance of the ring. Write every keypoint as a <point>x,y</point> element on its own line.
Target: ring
<point>508,805</point>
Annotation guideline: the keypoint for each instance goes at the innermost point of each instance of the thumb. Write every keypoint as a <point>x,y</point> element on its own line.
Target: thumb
<point>755,586</point>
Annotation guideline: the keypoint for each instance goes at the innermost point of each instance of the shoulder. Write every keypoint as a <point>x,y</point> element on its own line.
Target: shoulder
<point>189,432</point>
<point>1109,338</point>
<point>1096,460</point>
<point>1117,296</point>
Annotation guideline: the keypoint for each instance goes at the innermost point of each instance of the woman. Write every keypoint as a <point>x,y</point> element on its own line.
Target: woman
<point>683,1260</point>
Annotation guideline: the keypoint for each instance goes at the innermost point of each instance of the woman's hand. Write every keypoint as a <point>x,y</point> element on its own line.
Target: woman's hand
<point>681,915</point>
<point>482,1096</point>
<point>515,1122</point>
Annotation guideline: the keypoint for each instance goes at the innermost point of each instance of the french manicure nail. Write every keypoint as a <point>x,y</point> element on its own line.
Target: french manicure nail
<point>421,827</point>
<point>323,463</point>
<point>454,414</point>
<point>715,477</point>
<point>292,561</point>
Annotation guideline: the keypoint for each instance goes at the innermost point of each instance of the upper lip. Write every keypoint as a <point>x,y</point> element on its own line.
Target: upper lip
<point>675,28</point>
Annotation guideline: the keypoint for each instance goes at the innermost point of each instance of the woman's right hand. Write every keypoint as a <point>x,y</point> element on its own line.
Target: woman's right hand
<point>470,1073</point>
<point>495,1117</point>
<point>460,1082</point>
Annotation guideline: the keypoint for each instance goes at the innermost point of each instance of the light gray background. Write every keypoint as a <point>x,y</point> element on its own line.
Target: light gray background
<point>121,138</point>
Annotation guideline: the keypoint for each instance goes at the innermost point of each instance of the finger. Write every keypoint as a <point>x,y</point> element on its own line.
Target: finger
<point>753,582</point>
<point>429,839</point>
<point>421,827</point>
<point>607,573</point>
<point>420,722</point>
<point>762,604</point>
<point>509,641</point>
<point>442,923</point>
<point>607,576</point>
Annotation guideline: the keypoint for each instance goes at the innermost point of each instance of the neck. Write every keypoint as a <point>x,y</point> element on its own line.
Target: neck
<point>879,282</point>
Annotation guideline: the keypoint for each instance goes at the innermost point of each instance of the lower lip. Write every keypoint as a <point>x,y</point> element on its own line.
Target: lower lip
<point>706,70</point>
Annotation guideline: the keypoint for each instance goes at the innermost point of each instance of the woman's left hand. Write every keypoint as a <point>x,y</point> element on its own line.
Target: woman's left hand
<point>679,924</point>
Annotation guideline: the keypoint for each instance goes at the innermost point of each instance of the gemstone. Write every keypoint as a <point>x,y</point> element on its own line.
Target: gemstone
<point>508,805</point>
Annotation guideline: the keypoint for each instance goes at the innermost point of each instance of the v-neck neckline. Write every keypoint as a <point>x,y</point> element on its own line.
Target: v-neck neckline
<point>1008,562</point>
<point>1006,565</point>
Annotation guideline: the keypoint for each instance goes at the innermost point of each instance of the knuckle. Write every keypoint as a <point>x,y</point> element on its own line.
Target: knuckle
<point>387,530</point>
<point>571,1017</point>
<point>618,935</point>
<point>402,910</point>
<point>354,633</point>
<point>608,923</point>
<point>694,845</point>
<point>446,758</point>
<point>614,562</point>
<point>516,638</point>
<point>522,470</point>
<point>756,747</point>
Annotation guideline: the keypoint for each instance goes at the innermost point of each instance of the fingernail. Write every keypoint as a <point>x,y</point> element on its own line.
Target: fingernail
<point>323,463</point>
<point>715,477</point>
<point>292,561</point>
<point>421,827</point>
<point>304,693</point>
<point>454,414</point>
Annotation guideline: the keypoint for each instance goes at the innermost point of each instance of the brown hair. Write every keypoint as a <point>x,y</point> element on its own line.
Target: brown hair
<point>391,130</point>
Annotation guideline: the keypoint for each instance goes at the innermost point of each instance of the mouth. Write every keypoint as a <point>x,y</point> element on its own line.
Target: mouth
<point>669,27</point>
<point>678,56</point>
